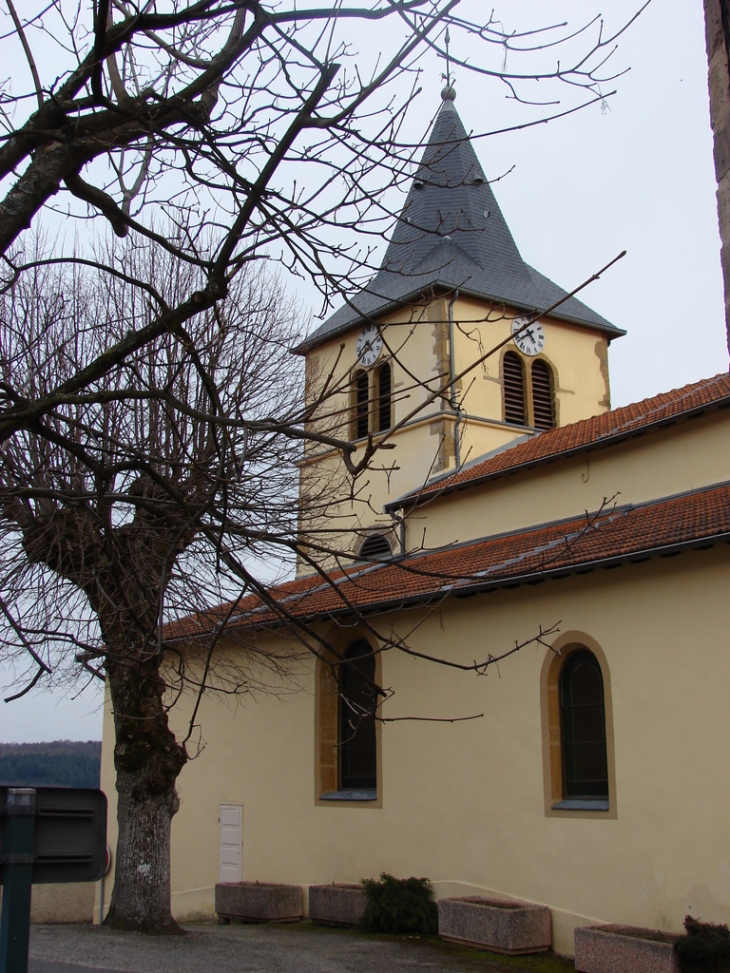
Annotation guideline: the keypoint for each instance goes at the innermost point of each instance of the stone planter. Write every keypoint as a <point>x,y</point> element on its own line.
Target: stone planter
<point>336,905</point>
<point>502,925</point>
<point>616,949</point>
<point>258,902</point>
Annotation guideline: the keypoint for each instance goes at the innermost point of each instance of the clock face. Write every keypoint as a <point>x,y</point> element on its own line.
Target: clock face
<point>532,339</point>
<point>369,345</point>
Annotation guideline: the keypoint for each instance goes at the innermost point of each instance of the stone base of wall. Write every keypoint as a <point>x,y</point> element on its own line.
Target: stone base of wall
<point>502,925</point>
<point>62,903</point>
<point>259,902</point>
<point>617,949</point>
<point>336,905</point>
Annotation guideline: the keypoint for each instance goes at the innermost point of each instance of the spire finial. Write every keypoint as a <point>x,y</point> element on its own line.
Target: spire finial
<point>448,93</point>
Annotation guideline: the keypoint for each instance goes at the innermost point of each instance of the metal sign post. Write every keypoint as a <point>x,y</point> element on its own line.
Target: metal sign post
<point>47,834</point>
<point>17,879</point>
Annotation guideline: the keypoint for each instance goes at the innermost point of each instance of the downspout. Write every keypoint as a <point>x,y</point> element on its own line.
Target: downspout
<point>453,401</point>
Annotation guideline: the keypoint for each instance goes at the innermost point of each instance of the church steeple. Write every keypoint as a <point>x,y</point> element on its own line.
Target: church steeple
<point>451,235</point>
<point>451,231</point>
<point>405,359</point>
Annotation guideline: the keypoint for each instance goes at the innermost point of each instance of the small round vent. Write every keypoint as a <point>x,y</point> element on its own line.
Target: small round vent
<point>375,548</point>
<point>417,184</point>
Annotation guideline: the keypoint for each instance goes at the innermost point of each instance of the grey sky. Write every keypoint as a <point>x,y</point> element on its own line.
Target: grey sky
<point>637,175</point>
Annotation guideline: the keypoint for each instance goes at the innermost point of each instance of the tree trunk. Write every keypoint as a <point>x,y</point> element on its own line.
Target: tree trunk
<point>148,760</point>
<point>717,38</point>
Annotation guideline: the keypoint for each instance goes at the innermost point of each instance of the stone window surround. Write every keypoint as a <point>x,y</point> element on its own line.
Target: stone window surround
<point>326,770</point>
<point>556,806</point>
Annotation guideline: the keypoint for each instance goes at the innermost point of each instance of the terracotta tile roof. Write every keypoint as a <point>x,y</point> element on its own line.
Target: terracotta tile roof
<point>606,539</point>
<point>589,434</point>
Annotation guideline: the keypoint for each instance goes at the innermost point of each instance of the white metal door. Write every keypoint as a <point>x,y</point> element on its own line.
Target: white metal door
<point>231,840</point>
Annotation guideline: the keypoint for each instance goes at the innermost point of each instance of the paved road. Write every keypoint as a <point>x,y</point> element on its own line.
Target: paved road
<point>47,966</point>
<point>299,948</point>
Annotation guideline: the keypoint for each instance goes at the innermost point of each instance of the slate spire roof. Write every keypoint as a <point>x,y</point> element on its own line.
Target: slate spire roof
<point>451,234</point>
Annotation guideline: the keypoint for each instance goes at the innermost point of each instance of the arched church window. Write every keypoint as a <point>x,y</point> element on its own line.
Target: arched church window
<point>583,728</point>
<point>384,398</point>
<point>513,389</point>
<point>577,724</point>
<point>356,732</point>
<point>360,405</point>
<point>542,396</point>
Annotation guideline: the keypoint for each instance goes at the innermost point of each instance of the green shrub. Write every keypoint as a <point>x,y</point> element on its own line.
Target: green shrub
<point>399,905</point>
<point>705,948</point>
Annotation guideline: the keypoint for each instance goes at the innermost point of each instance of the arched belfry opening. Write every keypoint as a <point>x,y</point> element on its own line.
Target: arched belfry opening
<point>513,389</point>
<point>543,405</point>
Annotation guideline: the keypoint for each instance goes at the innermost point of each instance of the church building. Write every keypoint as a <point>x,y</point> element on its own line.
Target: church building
<point>514,675</point>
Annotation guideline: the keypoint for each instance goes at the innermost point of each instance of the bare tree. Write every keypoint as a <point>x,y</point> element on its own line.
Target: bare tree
<point>717,40</point>
<point>157,495</point>
<point>262,123</point>
<point>116,511</point>
<point>150,422</point>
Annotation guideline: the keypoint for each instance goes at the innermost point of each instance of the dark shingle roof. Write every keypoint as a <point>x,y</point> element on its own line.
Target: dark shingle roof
<point>451,234</point>
<point>588,434</point>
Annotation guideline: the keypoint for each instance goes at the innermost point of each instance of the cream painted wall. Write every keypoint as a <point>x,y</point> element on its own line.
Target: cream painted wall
<point>672,460</point>
<point>409,336</point>
<point>223,731</point>
<point>577,356</point>
<point>463,803</point>
<point>337,505</point>
<point>419,340</point>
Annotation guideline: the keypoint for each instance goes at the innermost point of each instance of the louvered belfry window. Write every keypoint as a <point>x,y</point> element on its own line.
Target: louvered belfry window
<point>542,396</point>
<point>361,405</point>
<point>384,410</point>
<point>513,385</point>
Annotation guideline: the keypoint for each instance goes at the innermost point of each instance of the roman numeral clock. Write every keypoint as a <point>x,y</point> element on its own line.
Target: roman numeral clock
<point>532,340</point>
<point>369,345</point>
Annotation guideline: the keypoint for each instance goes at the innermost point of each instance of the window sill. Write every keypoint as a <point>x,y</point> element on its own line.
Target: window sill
<point>365,794</point>
<point>576,805</point>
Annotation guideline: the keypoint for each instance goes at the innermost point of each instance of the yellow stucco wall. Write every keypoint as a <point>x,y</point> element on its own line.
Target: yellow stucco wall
<point>107,784</point>
<point>51,904</point>
<point>463,803</point>
<point>435,436</point>
<point>577,357</point>
<point>684,457</point>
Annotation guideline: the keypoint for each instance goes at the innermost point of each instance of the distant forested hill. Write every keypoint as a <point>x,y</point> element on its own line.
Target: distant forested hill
<point>62,763</point>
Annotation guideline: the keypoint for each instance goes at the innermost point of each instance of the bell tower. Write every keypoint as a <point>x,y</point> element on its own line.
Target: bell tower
<point>408,357</point>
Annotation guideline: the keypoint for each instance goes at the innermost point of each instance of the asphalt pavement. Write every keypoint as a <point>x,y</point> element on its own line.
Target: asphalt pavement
<point>47,966</point>
<point>292,948</point>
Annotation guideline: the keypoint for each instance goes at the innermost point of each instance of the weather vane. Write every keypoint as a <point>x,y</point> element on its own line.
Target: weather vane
<point>448,93</point>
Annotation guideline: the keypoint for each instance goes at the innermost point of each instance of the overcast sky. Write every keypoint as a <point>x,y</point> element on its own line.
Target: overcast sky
<point>636,175</point>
